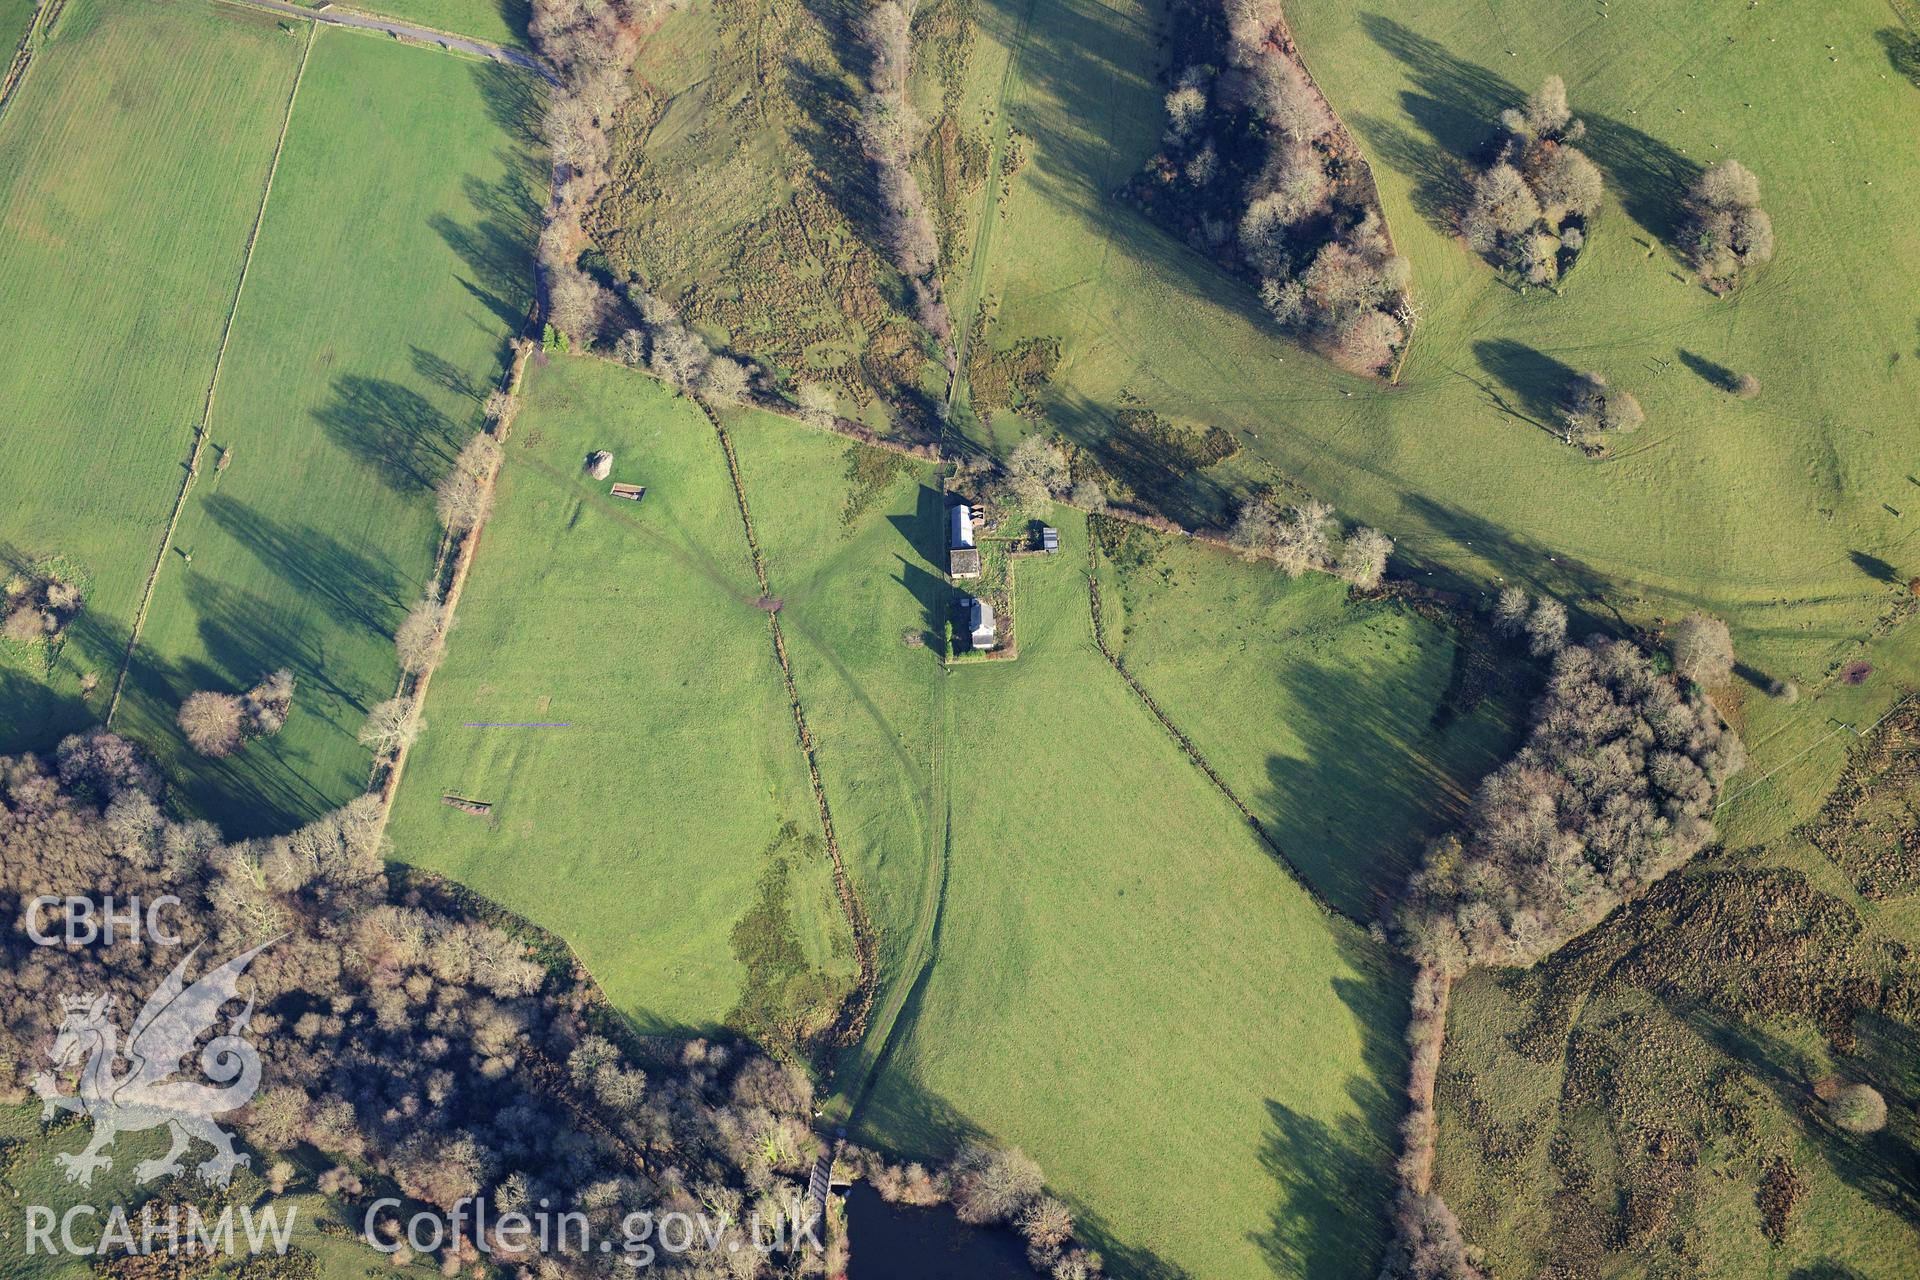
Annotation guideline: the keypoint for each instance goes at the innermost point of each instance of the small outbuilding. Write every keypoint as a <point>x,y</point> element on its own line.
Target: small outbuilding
<point>599,464</point>
<point>631,492</point>
<point>963,557</point>
<point>962,527</point>
<point>980,624</point>
<point>1049,539</point>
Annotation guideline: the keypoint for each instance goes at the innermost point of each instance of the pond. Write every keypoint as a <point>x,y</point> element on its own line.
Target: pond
<point>890,1241</point>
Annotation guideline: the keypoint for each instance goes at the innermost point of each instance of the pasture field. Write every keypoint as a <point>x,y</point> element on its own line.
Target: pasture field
<point>1354,731</point>
<point>1785,514</point>
<point>356,369</point>
<point>846,531</point>
<point>1129,987</point>
<point>132,160</point>
<point>645,829</point>
<point>501,22</point>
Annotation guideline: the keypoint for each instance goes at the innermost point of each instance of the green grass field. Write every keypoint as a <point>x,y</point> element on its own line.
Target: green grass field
<point>501,22</point>
<point>131,166</point>
<point>642,830</point>
<point>1779,513</point>
<point>356,369</point>
<point>849,559</point>
<point>1006,940</point>
<point>1129,987</point>
<point>1307,704</point>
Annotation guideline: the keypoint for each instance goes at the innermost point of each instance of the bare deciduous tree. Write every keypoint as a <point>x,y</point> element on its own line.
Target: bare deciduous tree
<point>1546,627</point>
<point>465,494</point>
<point>1510,611</point>
<point>1503,205</point>
<point>1089,496</point>
<point>211,722</point>
<point>1702,649</point>
<point>464,501</point>
<point>267,704</point>
<point>1726,231</point>
<point>818,404</point>
<point>1858,1108</point>
<point>1614,788</point>
<point>1036,470</point>
<point>992,1185</point>
<point>501,406</point>
<point>421,637</point>
<point>726,379</point>
<point>1594,406</point>
<point>1363,557</point>
<point>391,726</point>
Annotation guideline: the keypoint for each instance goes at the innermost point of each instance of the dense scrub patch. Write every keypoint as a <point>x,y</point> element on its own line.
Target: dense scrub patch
<point>740,198</point>
<point>425,1050</point>
<point>1531,206</point>
<point>1722,1073</point>
<point>1614,789</point>
<point>1257,171</point>
<point>1870,825</point>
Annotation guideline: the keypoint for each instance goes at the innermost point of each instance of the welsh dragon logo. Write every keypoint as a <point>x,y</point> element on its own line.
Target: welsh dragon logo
<point>146,1096</point>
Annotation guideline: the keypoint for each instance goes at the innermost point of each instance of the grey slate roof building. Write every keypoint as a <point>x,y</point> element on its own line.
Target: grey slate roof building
<point>980,623</point>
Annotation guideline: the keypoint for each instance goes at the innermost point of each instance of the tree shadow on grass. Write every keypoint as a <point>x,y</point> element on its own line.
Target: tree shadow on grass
<point>1874,567</point>
<point>270,786</point>
<point>1098,58</point>
<point>357,589</point>
<point>496,252</point>
<point>1651,177</point>
<point>1459,104</point>
<point>1400,780</point>
<point>827,99</point>
<point>826,131</point>
<point>1579,586</point>
<point>1881,1166</point>
<point>1715,375</point>
<point>393,429</point>
<point>1336,1181</point>
<point>34,715</point>
<point>907,1122</point>
<point>925,534</point>
<point>446,375</point>
<point>1903,52</point>
<point>497,247</point>
<point>1330,1219</point>
<point>513,96</point>
<point>1538,381</point>
<point>1441,185</point>
<point>1154,469</point>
